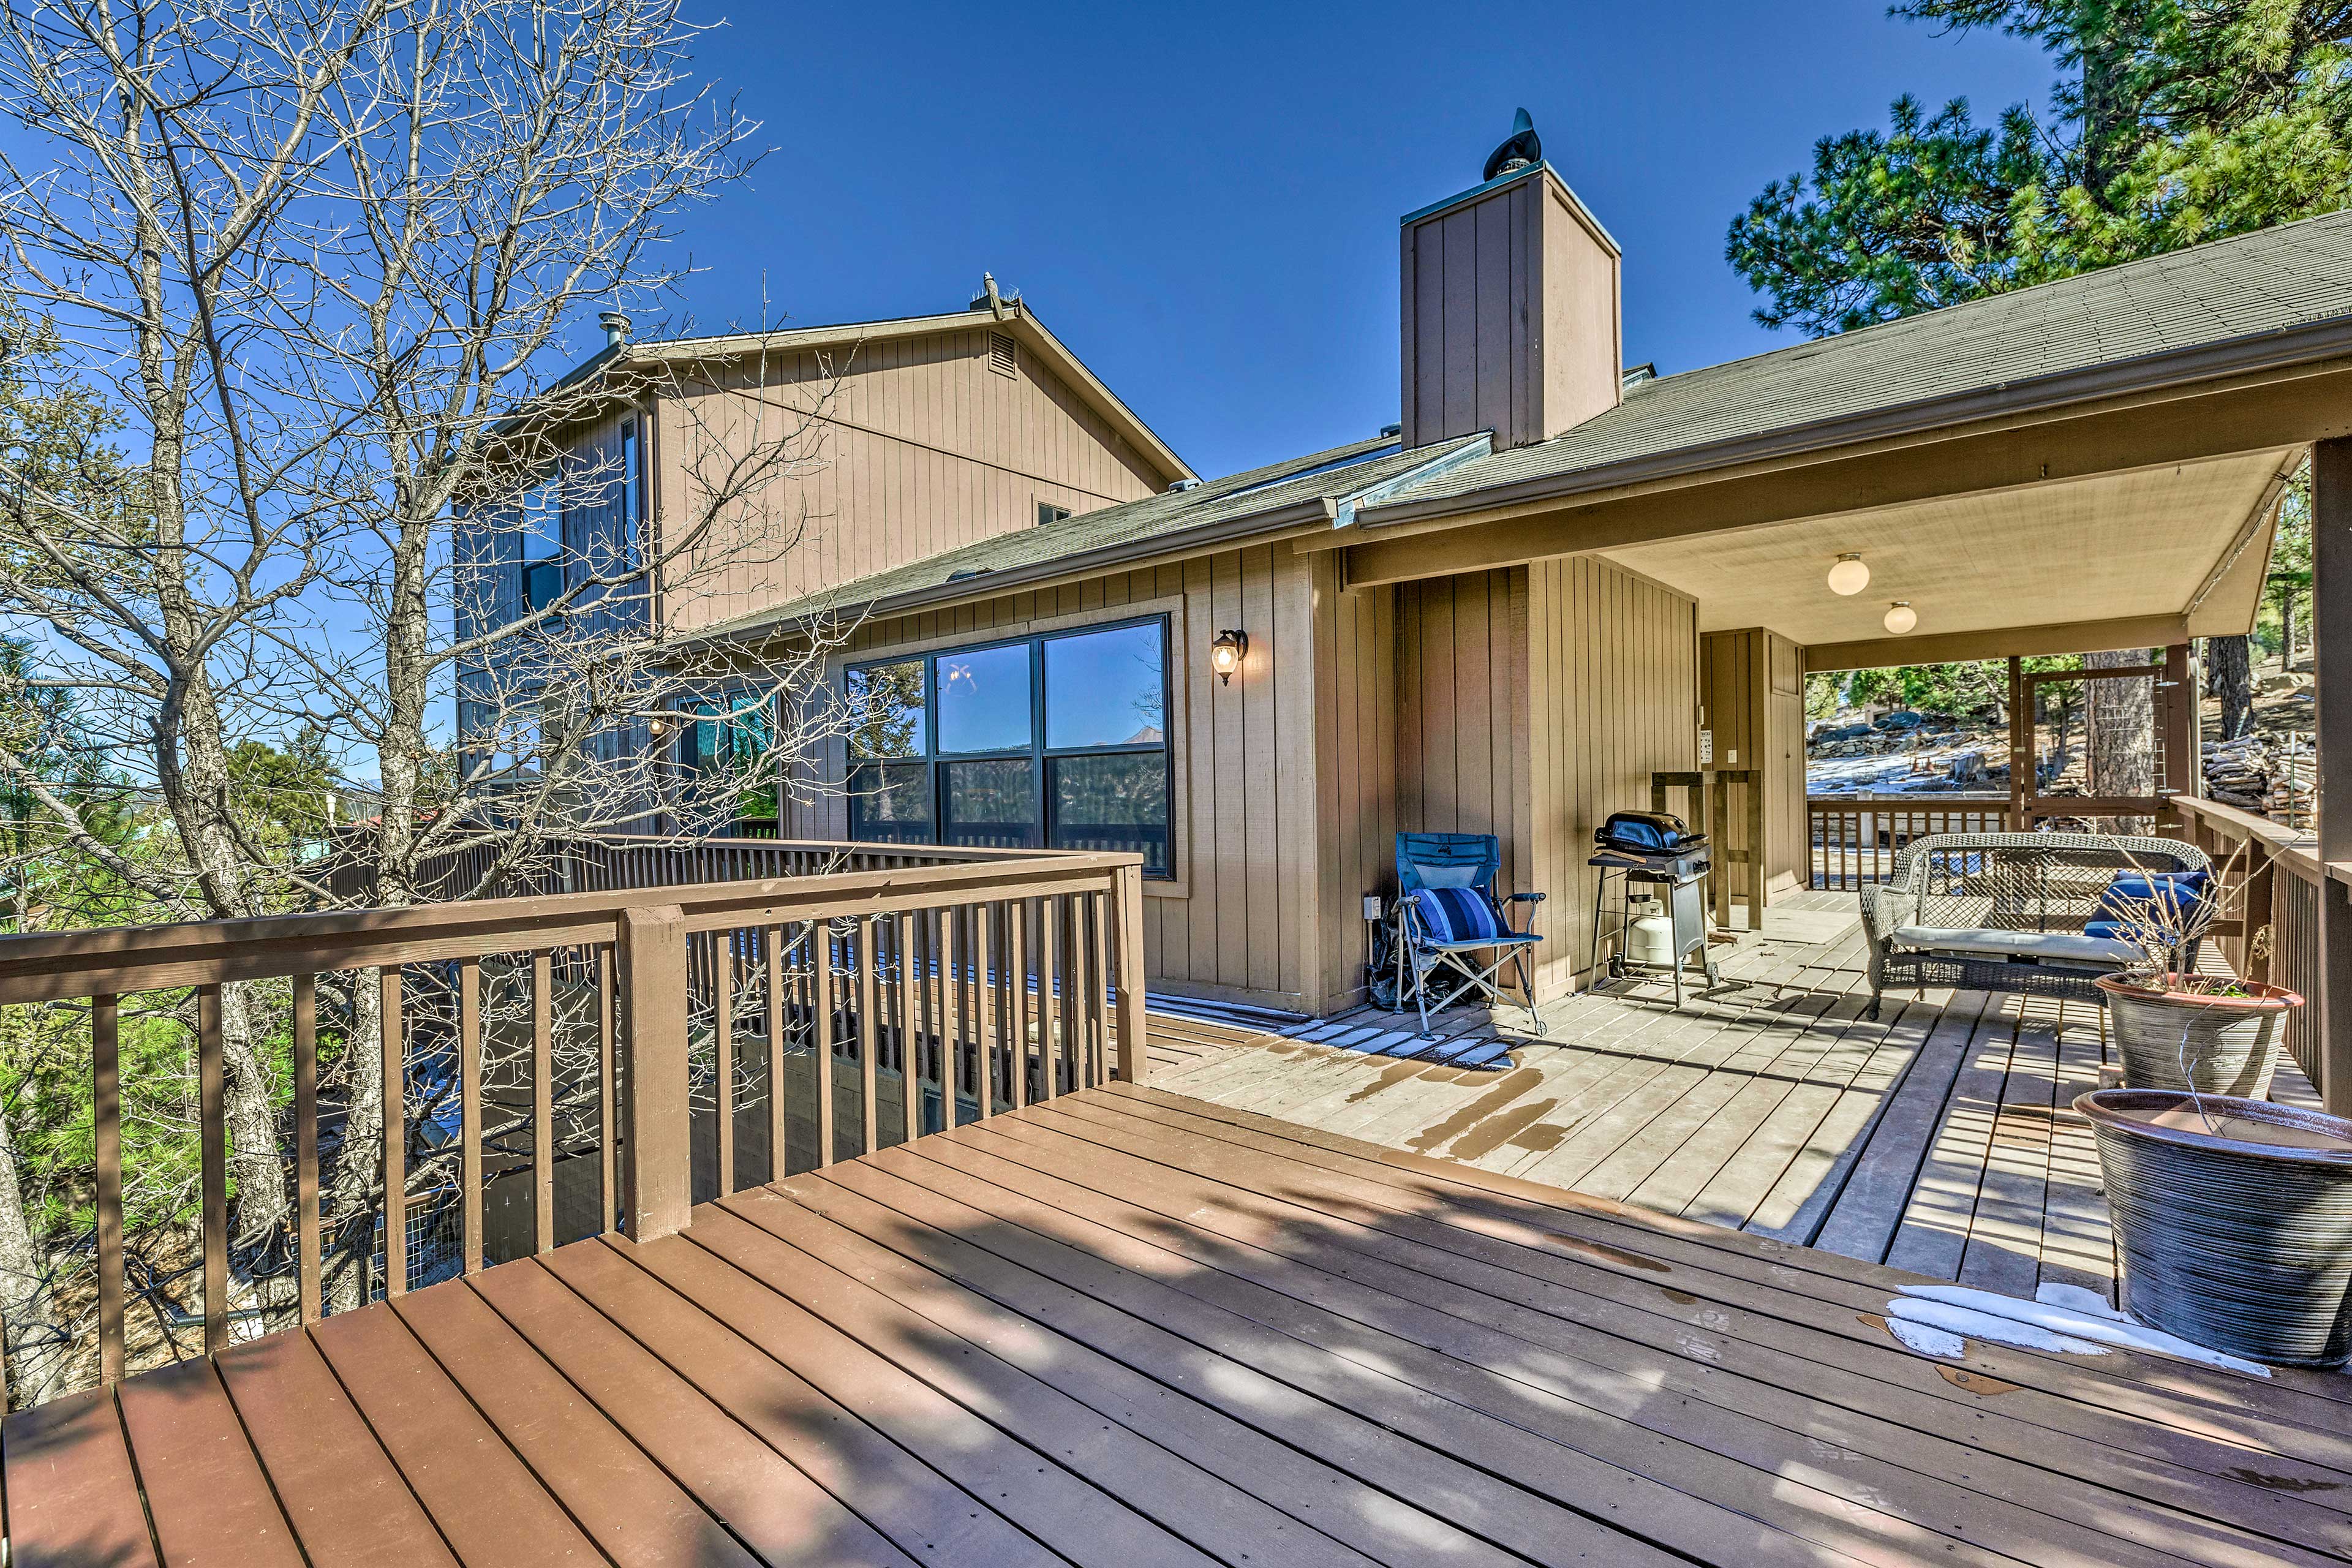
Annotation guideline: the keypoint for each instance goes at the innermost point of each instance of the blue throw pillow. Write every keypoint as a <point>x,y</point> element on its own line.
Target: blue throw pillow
<point>1458,914</point>
<point>2185,891</point>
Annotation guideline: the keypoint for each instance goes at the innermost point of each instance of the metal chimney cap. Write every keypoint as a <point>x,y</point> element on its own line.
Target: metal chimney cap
<point>616,328</point>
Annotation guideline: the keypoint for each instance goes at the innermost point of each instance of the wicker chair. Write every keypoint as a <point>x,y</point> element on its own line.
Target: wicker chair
<point>2005,912</point>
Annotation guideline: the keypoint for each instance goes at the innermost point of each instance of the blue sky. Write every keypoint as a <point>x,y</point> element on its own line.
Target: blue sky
<point>1202,201</point>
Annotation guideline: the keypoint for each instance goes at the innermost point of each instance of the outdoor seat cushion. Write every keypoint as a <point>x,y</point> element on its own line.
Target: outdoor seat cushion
<point>2065,946</point>
<point>2147,893</point>
<point>1459,916</point>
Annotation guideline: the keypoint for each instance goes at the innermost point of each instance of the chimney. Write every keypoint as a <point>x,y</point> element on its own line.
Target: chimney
<point>1509,306</point>
<point>616,328</point>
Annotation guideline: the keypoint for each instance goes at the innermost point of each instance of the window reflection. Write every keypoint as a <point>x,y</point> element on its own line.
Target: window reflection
<point>1104,689</point>
<point>984,699</point>
<point>885,710</point>
<point>1113,803</point>
<point>990,804</point>
<point>891,803</point>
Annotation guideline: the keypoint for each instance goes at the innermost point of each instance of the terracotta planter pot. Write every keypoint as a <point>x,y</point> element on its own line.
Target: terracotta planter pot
<point>2238,1238</point>
<point>2229,1043</point>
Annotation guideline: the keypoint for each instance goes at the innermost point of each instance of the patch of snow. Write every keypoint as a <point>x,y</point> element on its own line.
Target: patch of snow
<point>1927,1340</point>
<point>2002,1330</point>
<point>2074,1299</point>
<point>2042,1326</point>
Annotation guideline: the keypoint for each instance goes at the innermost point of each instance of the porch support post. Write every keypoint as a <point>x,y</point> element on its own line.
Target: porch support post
<point>2331,619</point>
<point>2178,753</point>
<point>2020,746</point>
<point>1127,979</point>
<point>656,1157</point>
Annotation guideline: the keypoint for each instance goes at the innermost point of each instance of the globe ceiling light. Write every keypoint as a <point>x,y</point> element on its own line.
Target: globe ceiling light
<point>1849,576</point>
<point>1901,617</point>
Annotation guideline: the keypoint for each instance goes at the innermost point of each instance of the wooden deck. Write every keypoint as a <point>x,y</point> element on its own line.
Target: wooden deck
<point>1937,1140</point>
<point>1129,1328</point>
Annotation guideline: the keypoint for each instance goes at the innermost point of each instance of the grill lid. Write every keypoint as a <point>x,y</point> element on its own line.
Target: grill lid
<point>1646,833</point>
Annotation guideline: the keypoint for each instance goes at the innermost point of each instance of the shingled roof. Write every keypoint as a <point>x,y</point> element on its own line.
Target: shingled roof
<point>1311,487</point>
<point>2228,290</point>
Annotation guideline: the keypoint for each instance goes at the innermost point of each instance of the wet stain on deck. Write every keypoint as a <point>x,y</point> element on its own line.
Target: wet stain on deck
<point>1976,1382</point>
<point>1510,1088</point>
<point>2254,1477</point>
<point>1393,1074</point>
<point>1496,1130</point>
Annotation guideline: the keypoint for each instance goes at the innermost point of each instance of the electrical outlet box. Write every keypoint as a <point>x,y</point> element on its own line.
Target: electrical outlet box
<point>1371,906</point>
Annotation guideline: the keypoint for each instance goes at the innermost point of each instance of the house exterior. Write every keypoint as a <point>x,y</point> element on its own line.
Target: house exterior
<point>1553,582</point>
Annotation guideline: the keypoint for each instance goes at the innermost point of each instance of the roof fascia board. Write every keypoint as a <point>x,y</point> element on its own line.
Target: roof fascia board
<point>1482,444</point>
<point>2287,348</point>
<point>1311,514</point>
<point>1999,642</point>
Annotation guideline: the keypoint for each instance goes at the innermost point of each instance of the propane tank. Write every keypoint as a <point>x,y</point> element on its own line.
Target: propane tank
<point>1650,939</point>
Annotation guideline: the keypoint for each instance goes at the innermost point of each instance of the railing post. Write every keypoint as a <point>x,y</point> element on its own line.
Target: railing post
<point>2331,609</point>
<point>1127,988</point>
<point>657,1158</point>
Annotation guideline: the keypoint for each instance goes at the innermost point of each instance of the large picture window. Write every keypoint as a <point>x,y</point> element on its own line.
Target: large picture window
<point>1057,740</point>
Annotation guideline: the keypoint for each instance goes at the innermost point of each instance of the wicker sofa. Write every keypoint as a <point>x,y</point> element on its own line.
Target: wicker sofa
<point>2004,912</point>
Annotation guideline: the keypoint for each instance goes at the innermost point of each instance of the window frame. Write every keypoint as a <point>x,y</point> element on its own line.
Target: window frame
<point>1038,752</point>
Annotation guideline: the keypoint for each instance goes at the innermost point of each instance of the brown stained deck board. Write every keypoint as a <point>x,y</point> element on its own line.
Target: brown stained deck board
<point>484,1500</point>
<point>1134,1327</point>
<point>624,1503</point>
<point>2303,1415</point>
<point>73,1500</point>
<point>206,1493</point>
<point>1428,1296</point>
<point>770,1505</point>
<point>345,1499</point>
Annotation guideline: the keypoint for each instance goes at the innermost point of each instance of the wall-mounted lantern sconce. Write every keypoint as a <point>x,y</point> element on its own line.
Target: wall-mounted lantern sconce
<point>1225,655</point>
<point>658,726</point>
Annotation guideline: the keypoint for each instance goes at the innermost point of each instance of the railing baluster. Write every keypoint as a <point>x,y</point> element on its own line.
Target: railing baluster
<point>910,1094</point>
<point>722,1051</point>
<point>1049,1010</point>
<point>869,1037</point>
<point>985,1011</point>
<point>820,947</point>
<point>470,1109</point>
<point>213,1129</point>
<point>777,1162</point>
<point>395,1132</point>
<point>1017,1011</point>
<point>1099,988</point>
<point>310,1297</point>
<point>608,1131</point>
<point>542,1101</point>
<point>105,1136</point>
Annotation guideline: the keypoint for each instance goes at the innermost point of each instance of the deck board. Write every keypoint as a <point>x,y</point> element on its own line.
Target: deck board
<point>1131,1326</point>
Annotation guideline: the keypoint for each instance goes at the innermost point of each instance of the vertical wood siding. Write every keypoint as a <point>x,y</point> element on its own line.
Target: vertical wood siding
<point>922,449</point>
<point>1243,921</point>
<point>1754,691</point>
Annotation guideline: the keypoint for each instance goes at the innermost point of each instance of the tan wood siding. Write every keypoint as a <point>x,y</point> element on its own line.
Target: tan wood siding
<point>1243,921</point>
<point>1613,684</point>
<point>917,448</point>
<point>1753,689</point>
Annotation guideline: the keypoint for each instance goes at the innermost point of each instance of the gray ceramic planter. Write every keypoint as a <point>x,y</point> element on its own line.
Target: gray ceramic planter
<point>2239,1240</point>
<point>2229,1043</point>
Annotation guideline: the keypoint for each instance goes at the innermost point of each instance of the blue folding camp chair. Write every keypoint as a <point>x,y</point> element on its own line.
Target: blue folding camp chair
<point>1449,925</point>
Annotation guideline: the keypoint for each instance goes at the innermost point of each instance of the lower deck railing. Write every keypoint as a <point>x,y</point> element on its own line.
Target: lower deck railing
<point>2277,881</point>
<point>675,1042</point>
<point>1854,838</point>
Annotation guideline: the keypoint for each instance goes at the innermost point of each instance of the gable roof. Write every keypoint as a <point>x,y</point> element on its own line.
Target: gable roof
<point>2184,315</point>
<point>1017,319</point>
<point>1320,488</point>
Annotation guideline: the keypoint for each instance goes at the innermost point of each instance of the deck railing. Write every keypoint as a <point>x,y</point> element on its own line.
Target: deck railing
<point>2277,882</point>
<point>775,1011</point>
<point>1854,839</point>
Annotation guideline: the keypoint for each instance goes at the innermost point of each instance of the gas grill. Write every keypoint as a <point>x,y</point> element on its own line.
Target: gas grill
<point>1651,842</point>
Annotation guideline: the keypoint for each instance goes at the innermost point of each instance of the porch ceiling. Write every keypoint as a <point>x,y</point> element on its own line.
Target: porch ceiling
<point>2187,540</point>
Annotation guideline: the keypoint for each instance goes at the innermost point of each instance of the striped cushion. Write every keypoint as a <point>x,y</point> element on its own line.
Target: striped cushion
<point>1458,914</point>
